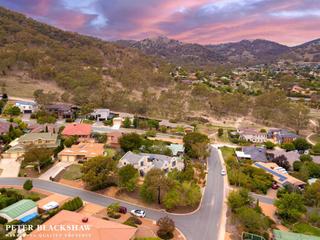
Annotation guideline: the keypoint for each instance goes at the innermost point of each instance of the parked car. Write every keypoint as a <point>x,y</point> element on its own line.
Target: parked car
<point>138,213</point>
<point>275,186</point>
<point>122,210</point>
<point>223,172</point>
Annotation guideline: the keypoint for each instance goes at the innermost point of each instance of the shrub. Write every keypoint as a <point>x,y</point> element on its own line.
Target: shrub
<point>166,228</point>
<point>288,147</point>
<point>239,198</point>
<point>316,149</point>
<point>133,221</point>
<point>305,158</point>
<point>269,145</point>
<point>28,185</point>
<point>113,210</point>
<point>297,165</point>
<point>3,220</point>
<point>73,205</point>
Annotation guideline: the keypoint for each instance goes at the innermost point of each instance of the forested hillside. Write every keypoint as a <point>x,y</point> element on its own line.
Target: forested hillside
<point>95,73</point>
<point>89,69</point>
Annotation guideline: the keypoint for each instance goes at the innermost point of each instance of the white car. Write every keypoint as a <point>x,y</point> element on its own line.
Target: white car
<point>138,213</point>
<point>223,172</point>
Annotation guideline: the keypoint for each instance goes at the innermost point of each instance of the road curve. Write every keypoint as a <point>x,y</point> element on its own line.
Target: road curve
<point>203,224</point>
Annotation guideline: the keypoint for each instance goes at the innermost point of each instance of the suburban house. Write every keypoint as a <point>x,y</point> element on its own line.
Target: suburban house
<point>40,140</point>
<point>97,228</point>
<point>81,152</point>
<point>280,175</point>
<point>5,126</point>
<point>252,135</point>
<point>45,139</point>
<point>38,128</point>
<point>281,136</point>
<point>176,149</point>
<point>24,210</point>
<point>166,123</point>
<point>26,107</point>
<point>144,162</point>
<point>256,154</point>
<point>63,110</point>
<point>113,138</point>
<point>100,114</point>
<point>80,130</point>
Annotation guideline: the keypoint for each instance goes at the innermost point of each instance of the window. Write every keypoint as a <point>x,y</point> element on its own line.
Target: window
<point>141,164</point>
<point>173,163</point>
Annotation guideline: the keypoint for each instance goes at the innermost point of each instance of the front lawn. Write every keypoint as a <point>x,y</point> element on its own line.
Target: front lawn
<point>315,138</point>
<point>73,172</point>
<point>228,153</point>
<point>306,228</point>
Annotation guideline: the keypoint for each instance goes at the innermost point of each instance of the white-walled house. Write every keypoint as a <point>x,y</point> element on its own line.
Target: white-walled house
<point>252,135</point>
<point>144,162</point>
<point>26,107</point>
<point>100,114</point>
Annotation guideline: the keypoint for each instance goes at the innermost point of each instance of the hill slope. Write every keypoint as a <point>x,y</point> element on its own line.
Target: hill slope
<point>88,69</point>
<point>244,52</point>
<point>175,51</point>
<point>307,52</point>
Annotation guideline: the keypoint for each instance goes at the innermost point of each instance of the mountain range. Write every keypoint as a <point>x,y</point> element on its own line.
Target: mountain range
<point>245,52</point>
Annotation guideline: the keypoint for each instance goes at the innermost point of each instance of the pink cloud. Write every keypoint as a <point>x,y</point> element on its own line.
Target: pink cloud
<point>201,21</point>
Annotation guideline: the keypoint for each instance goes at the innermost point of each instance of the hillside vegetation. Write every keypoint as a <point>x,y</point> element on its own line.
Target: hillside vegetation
<point>95,73</point>
<point>91,70</point>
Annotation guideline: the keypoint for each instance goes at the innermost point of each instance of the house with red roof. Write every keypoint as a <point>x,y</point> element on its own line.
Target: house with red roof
<point>80,130</point>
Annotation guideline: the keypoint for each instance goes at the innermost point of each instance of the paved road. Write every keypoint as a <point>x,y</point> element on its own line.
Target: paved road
<point>201,225</point>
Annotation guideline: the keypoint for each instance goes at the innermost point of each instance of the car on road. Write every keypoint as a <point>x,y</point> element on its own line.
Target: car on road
<point>122,210</point>
<point>223,172</point>
<point>138,213</point>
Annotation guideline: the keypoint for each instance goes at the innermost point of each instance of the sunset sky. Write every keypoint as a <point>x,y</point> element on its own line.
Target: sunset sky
<point>289,22</point>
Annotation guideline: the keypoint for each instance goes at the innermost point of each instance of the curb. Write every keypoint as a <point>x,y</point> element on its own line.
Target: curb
<point>162,210</point>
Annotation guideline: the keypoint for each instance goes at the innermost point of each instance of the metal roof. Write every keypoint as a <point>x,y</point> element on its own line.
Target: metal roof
<point>281,235</point>
<point>18,208</point>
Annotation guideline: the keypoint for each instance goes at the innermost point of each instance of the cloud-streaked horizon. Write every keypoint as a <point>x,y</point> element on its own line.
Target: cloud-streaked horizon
<point>289,22</point>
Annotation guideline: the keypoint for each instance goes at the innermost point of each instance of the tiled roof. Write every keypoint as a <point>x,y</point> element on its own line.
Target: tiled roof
<point>36,136</point>
<point>96,228</point>
<point>88,150</point>
<point>77,129</point>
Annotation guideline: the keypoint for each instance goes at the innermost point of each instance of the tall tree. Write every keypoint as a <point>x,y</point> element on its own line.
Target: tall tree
<point>128,177</point>
<point>99,172</point>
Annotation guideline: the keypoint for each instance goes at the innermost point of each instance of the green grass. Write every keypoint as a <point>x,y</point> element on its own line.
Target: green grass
<point>87,121</point>
<point>73,172</point>
<point>227,153</point>
<point>28,194</point>
<point>315,138</point>
<point>305,228</point>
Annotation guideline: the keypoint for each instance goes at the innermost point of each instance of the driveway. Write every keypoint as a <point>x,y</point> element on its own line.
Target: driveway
<point>203,224</point>
<point>54,170</point>
<point>10,167</point>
